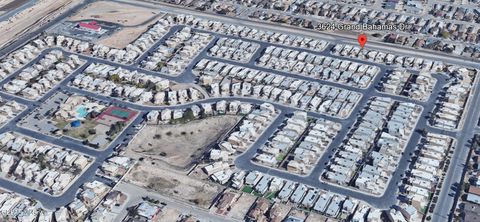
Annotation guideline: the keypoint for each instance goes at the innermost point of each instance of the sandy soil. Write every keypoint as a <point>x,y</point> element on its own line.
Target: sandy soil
<point>178,145</point>
<point>284,209</point>
<point>169,214</point>
<point>173,184</point>
<point>122,38</point>
<point>114,12</point>
<point>135,19</point>
<point>198,172</point>
<point>298,213</point>
<point>314,217</point>
<point>33,17</point>
<point>241,207</point>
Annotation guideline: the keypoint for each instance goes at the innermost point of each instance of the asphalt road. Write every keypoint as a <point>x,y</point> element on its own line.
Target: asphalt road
<point>444,209</point>
<point>136,193</point>
<point>6,16</point>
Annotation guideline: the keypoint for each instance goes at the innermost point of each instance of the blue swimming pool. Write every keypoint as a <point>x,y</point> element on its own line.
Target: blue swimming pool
<point>81,112</point>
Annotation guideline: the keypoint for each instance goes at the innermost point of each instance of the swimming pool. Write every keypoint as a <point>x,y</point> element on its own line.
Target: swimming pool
<point>81,112</point>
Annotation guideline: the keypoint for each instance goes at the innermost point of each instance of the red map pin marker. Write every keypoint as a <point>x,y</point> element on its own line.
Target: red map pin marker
<point>362,39</point>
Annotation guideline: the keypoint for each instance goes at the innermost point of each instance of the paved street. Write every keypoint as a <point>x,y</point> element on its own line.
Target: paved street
<point>136,193</point>
<point>444,209</point>
<point>7,14</point>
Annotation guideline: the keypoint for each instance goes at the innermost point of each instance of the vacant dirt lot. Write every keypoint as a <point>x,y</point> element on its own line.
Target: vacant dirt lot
<point>241,207</point>
<point>314,217</point>
<point>122,38</point>
<point>173,183</point>
<point>119,13</point>
<point>135,20</point>
<point>283,209</point>
<point>298,213</point>
<point>169,214</point>
<point>178,145</point>
<point>161,149</point>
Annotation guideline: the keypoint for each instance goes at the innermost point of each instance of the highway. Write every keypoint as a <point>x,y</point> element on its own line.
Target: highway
<point>443,209</point>
<point>6,15</point>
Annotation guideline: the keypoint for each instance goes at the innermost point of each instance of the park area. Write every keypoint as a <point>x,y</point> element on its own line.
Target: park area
<point>99,131</point>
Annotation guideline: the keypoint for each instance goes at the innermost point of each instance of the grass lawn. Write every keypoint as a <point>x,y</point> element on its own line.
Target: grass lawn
<point>247,189</point>
<point>423,210</point>
<point>59,123</point>
<point>280,157</point>
<point>81,132</point>
<point>257,194</point>
<point>270,195</point>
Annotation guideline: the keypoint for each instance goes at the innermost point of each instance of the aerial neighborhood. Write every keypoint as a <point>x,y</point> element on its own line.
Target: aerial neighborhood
<point>168,110</point>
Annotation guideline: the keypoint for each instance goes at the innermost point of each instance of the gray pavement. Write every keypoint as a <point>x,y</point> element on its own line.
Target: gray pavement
<point>6,15</point>
<point>445,208</point>
<point>135,194</point>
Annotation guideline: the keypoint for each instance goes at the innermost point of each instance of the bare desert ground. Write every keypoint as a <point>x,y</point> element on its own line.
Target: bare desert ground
<point>169,214</point>
<point>162,149</point>
<point>242,206</point>
<point>135,20</point>
<point>122,38</point>
<point>114,12</point>
<point>178,145</point>
<point>173,184</point>
<point>315,217</point>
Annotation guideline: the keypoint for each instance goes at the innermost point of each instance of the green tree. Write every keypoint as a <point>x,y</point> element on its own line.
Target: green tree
<point>115,78</point>
<point>115,128</point>
<point>445,34</point>
<point>41,160</point>
<point>188,115</point>
<point>160,65</point>
<point>92,131</point>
